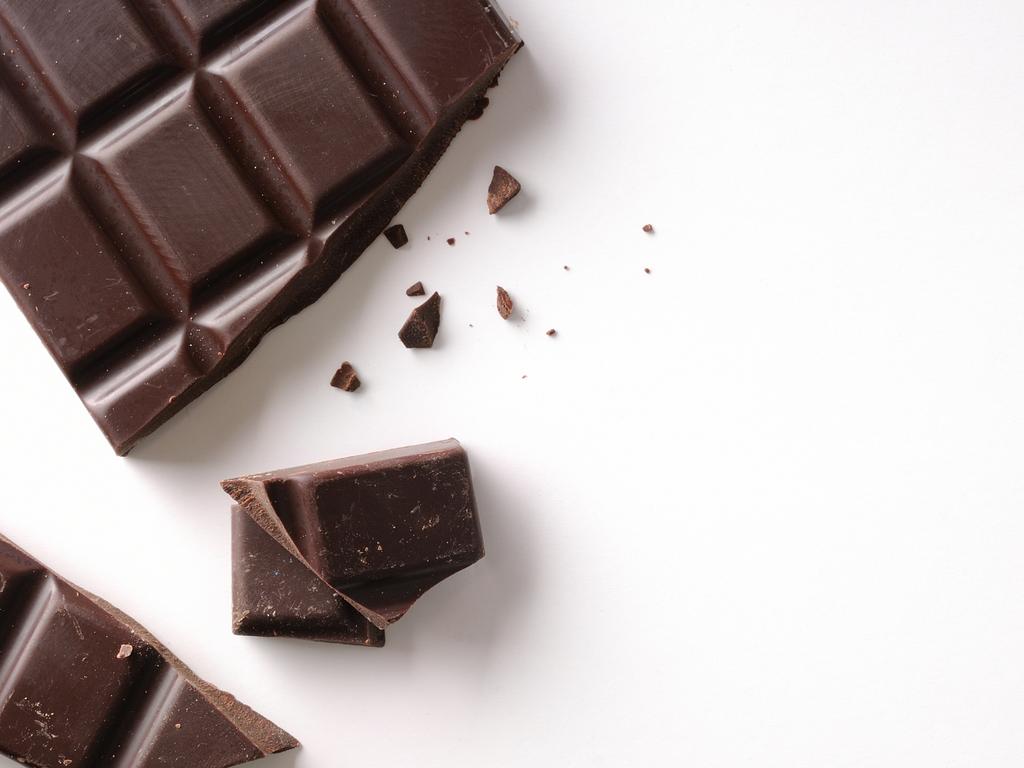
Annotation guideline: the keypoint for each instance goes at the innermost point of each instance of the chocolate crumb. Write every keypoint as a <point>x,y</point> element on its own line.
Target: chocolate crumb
<point>649,228</point>
<point>124,651</point>
<point>566,267</point>
<point>524,375</point>
<point>647,270</point>
<point>467,233</point>
<point>416,289</point>
<point>396,235</point>
<point>552,332</point>
<point>505,304</point>
<point>478,109</point>
<point>504,186</point>
<point>346,378</point>
<point>451,241</point>
<point>421,328</point>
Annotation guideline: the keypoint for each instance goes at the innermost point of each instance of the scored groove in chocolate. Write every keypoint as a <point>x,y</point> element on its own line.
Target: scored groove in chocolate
<point>134,146</point>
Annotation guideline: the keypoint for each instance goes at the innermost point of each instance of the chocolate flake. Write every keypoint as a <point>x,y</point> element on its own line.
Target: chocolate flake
<point>505,304</point>
<point>552,332</point>
<point>647,270</point>
<point>416,289</point>
<point>346,378</point>
<point>504,186</point>
<point>649,229</point>
<point>421,328</point>
<point>396,235</point>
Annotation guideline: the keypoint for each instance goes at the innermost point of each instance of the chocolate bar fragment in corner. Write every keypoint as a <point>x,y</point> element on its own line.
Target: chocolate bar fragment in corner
<point>172,181</point>
<point>85,685</point>
<point>337,551</point>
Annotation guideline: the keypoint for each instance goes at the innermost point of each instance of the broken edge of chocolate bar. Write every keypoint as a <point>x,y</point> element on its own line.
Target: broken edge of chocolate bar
<point>337,551</point>
<point>84,682</point>
<point>346,378</point>
<point>420,329</point>
<point>504,186</point>
<point>202,208</point>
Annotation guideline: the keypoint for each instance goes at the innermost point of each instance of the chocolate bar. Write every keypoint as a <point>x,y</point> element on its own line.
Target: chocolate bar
<point>178,177</point>
<point>81,684</point>
<point>338,551</point>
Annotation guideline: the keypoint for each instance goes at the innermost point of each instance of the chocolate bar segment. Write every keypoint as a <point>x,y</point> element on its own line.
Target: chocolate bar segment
<point>177,177</point>
<point>338,551</point>
<point>82,684</point>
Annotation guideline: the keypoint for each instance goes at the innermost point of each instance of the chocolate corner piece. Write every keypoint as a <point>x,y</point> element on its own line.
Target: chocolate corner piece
<point>505,304</point>
<point>416,289</point>
<point>421,328</point>
<point>336,552</point>
<point>89,680</point>
<point>504,186</point>
<point>346,378</point>
<point>396,235</point>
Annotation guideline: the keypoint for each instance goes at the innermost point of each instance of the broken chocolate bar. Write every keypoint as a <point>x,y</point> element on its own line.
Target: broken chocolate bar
<point>85,685</point>
<point>421,328</point>
<point>505,304</point>
<point>177,178</point>
<point>338,551</point>
<point>396,236</point>
<point>504,186</point>
<point>346,378</point>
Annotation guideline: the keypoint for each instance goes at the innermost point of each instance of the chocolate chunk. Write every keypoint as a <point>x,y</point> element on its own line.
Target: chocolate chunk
<point>346,378</point>
<point>396,235</point>
<point>503,188</point>
<point>421,328</point>
<point>416,289</point>
<point>552,332</point>
<point>338,551</point>
<point>83,682</point>
<point>178,178</point>
<point>451,241</point>
<point>505,305</point>
<point>648,228</point>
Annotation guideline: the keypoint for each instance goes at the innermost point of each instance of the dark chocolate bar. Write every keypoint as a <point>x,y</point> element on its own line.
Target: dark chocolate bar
<point>338,551</point>
<point>177,177</point>
<point>81,684</point>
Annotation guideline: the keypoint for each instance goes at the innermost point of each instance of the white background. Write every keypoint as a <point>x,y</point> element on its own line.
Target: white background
<point>761,507</point>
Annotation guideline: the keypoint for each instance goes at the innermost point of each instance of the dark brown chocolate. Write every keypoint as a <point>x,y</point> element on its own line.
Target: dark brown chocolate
<point>504,186</point>
<point>421,328</point>
<point>451,241</point>
<point>649,229</point>
<point>338,551</point>
<point>416,289</point>
<point>396,235</point>
<point>346,378</point>
<point>178,177</point>
<point>505,304</point>
<point>85,685</point>
<point>552,332</point>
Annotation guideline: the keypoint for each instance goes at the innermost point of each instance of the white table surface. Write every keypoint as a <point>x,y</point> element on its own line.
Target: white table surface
<point>761,507</point>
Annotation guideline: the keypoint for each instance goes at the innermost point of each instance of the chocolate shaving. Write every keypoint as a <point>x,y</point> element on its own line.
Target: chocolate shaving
<point>416,289</point>
<point>505,304</point>
<point>346,378</point>
<point>421,328</point>
<point>504,186</point>
<point>396,235</point>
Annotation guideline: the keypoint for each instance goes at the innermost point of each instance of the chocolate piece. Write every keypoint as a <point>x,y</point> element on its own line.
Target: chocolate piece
<point>504,186</point>
<point>552,332</point>
<point>177,178</point>
<point>647,270</point>
<point>505,305</point>
<point>649,229</point>
<point>338,551</point>
<point>421,328</point>
<point>346,378</point>
<point>416,289</point>
<point>85,685</point>
<point>396,235</point>
<point>451,241</point>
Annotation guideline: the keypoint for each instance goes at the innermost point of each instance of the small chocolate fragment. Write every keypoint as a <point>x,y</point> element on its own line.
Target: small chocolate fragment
<point>478,111</point>
<point>416,289</point>
<point>421,328</point>
<point>648,228</point>
<point>504,186</point>
<point>337,551</point>
<point>647,270</point>
<point>396,235</point>
<point>505,304</point>
<point>346,378</point>
<point>451,241</point>
<point>85,685</point>
<point>552,332</point>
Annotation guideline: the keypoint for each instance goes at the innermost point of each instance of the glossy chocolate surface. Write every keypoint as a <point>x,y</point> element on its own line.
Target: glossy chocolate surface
<point>338,551</point>
<point>179,176</point>
<point>81,684</point>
